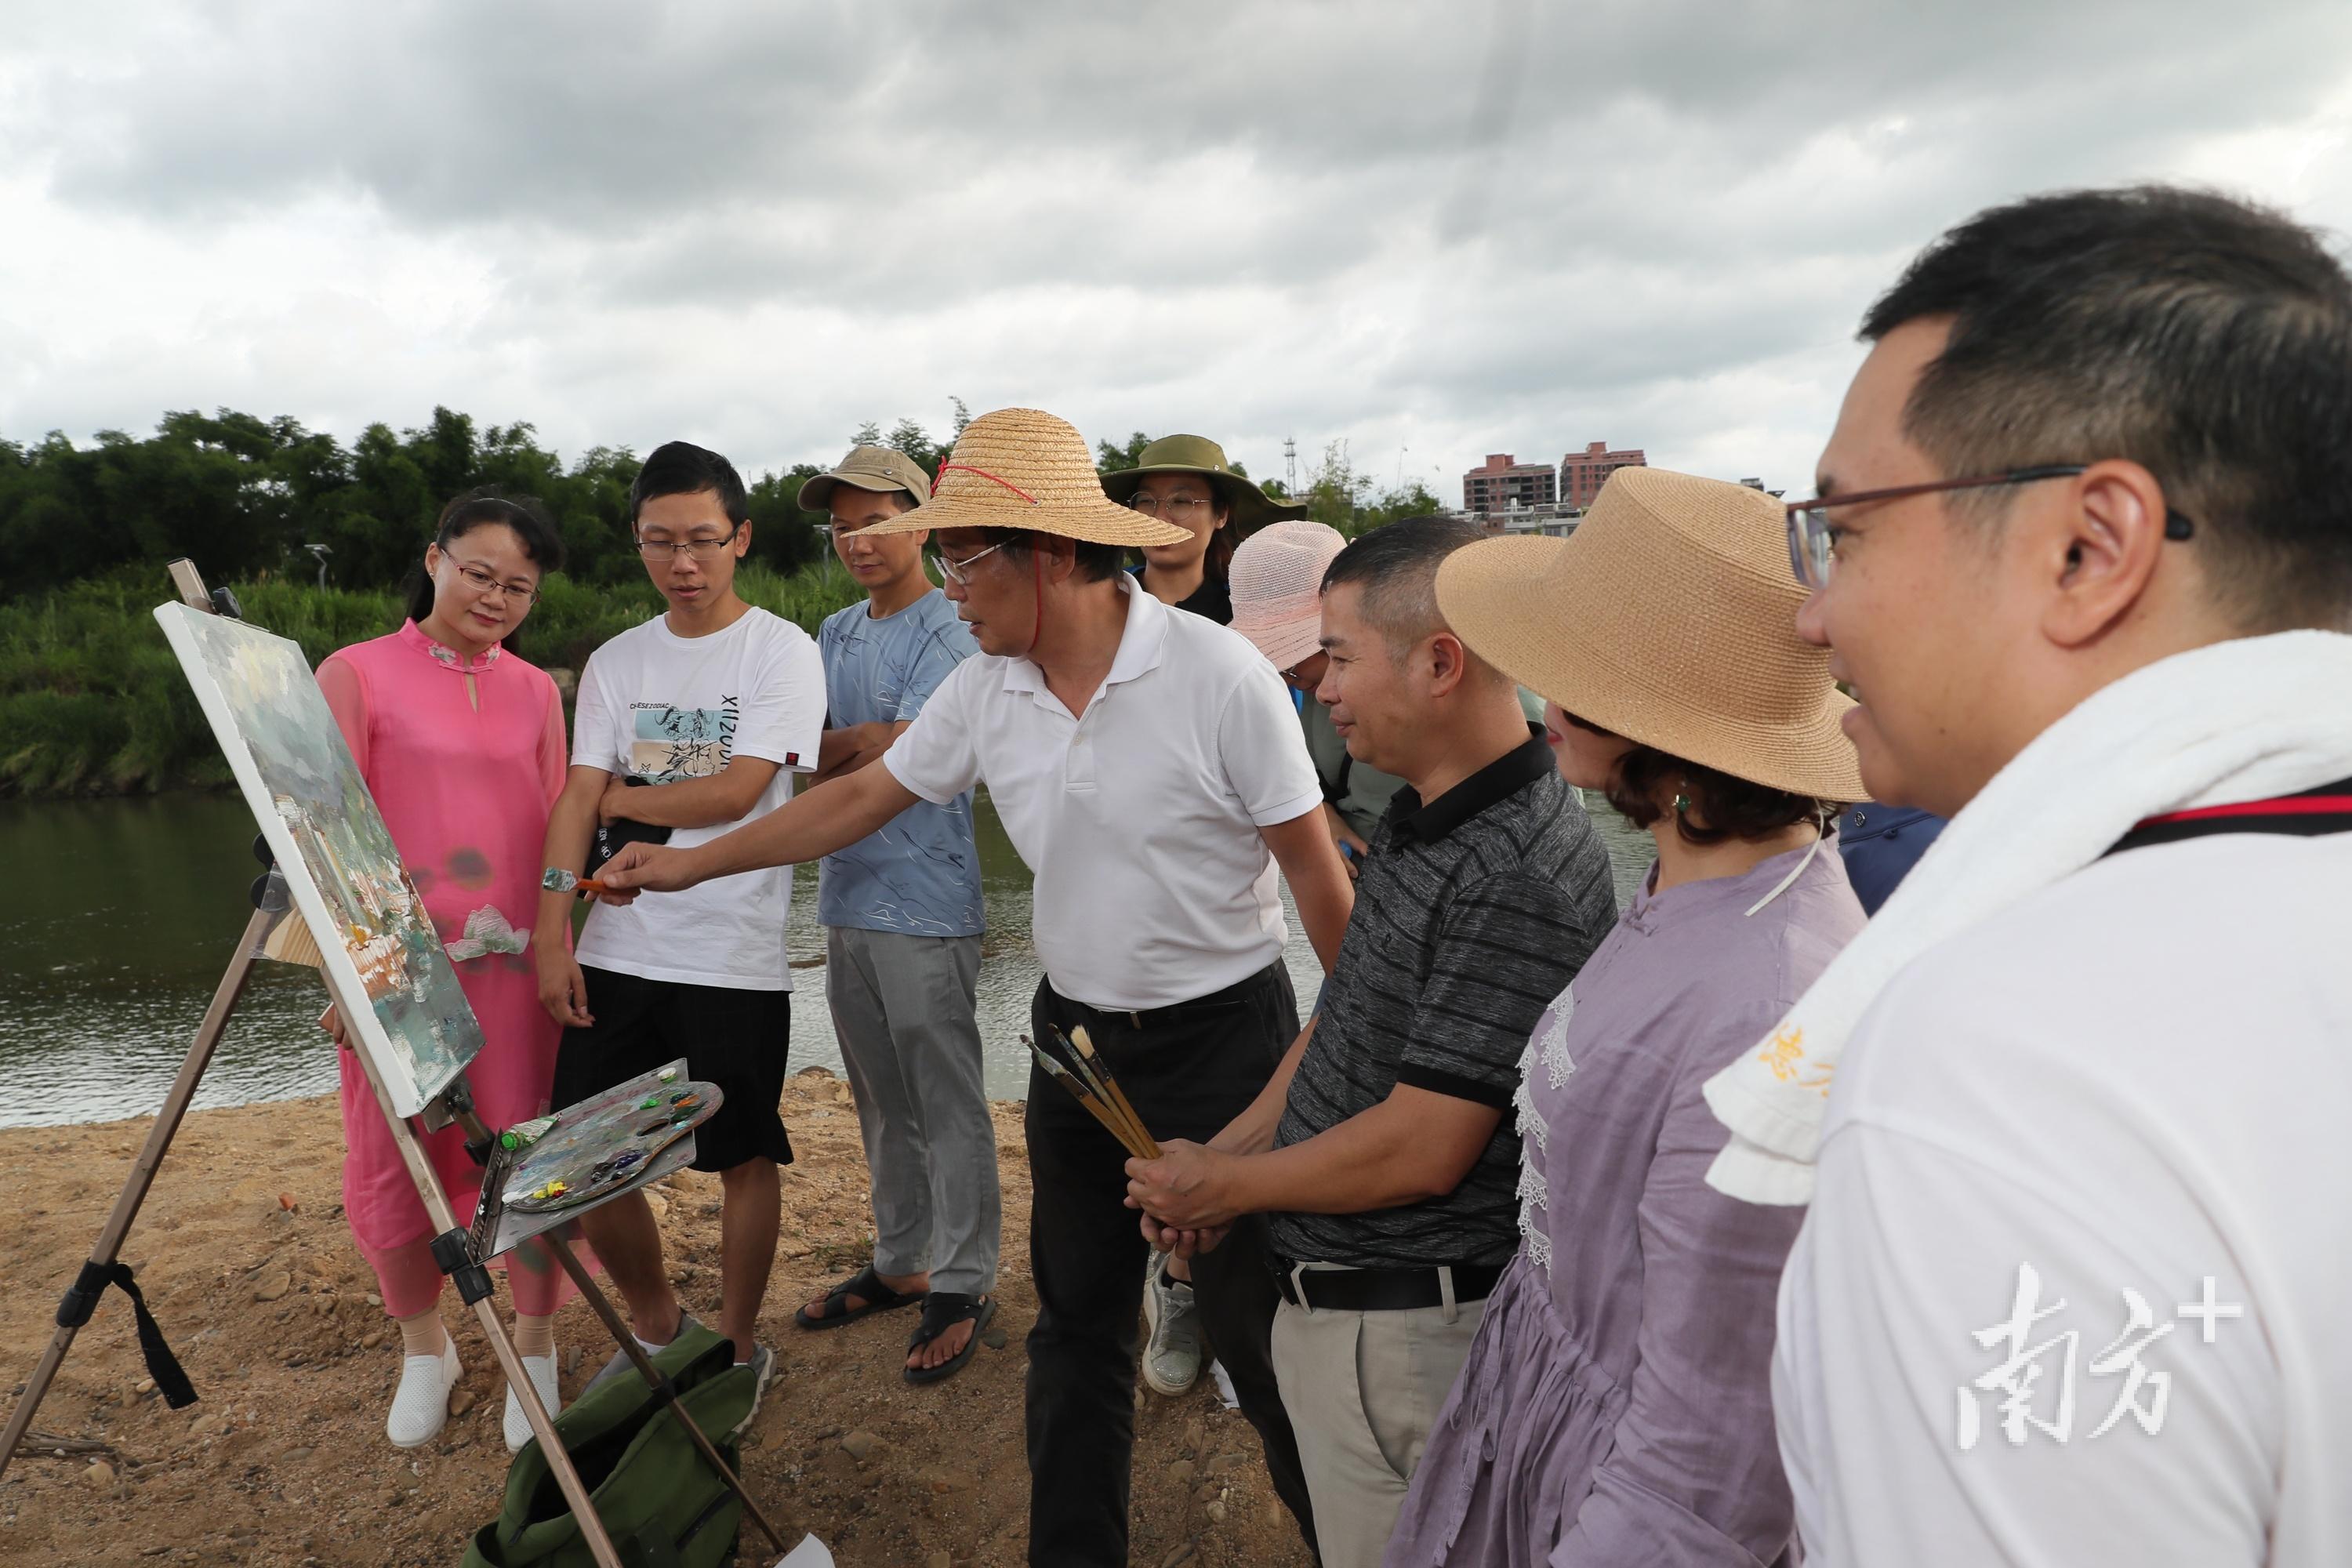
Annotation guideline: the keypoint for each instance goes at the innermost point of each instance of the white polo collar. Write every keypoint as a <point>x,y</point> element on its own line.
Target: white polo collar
<point>1142,644</point>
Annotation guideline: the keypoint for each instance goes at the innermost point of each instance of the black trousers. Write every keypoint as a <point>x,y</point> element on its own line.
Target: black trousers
<point>1187,1071</point>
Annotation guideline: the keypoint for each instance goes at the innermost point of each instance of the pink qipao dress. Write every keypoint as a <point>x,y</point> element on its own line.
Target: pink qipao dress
<point>465,782</point>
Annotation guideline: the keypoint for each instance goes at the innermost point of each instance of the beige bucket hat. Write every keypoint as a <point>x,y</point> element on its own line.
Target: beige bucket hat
<point>1278,588</point>
<point>878,468</point>
<point>1669,618</point>
<point>1019,467</point>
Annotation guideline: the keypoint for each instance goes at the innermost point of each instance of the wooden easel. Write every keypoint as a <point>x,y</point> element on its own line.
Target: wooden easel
<point>272,904</point>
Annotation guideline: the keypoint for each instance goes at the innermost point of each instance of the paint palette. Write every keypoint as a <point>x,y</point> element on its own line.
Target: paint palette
<point>606,1141</point>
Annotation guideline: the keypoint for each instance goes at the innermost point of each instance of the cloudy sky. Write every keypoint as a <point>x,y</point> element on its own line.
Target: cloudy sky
<point>1432,230</point>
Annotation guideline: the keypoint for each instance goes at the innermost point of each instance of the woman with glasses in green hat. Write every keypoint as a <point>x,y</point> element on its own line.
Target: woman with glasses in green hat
<point>1186,480</point>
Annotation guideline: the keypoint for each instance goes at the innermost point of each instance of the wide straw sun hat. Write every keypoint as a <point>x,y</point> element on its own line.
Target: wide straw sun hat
<point>1277,586</point>
<point>1018,467</point>
<point>1668,617</point>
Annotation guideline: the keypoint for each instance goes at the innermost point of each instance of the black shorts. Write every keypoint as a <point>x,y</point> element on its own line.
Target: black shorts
<point>735,1039</point>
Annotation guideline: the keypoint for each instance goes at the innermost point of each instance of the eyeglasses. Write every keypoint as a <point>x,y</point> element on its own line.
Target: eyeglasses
<point>484,584</point>
<point>1812,538</point>
<point>1180,510</point>
<point>695,549</point>
<point>960,572</point>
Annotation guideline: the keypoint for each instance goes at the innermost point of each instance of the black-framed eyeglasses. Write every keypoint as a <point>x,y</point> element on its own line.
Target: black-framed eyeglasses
<point>486,583</point>
<point>696,549</point>
<point>1812,539</point>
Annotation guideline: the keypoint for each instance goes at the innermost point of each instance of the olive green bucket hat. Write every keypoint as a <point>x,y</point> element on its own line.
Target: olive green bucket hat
<point>1252,507</point>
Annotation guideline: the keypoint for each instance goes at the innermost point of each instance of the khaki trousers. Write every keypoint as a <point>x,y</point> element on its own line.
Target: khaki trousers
<point>1363,1390</point>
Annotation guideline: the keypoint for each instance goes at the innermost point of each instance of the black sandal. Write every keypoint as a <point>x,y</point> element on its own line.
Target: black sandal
<point>942,1311</point>
<point>865,1283</point>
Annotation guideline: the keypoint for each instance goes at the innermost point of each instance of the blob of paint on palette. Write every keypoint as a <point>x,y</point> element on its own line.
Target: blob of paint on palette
<point>604,1144</point>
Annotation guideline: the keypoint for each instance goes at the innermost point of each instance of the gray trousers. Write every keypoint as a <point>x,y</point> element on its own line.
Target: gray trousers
<point>902,1008</point>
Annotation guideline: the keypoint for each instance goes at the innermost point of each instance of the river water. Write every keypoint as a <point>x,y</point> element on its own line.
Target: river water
<point>120,916</point>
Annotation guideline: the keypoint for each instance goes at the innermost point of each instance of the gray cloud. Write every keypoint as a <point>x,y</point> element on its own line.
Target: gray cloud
<point>1494,225</point>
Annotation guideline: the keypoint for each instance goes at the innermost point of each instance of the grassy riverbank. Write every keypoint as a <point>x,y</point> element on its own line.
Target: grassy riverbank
<point>92,702</point>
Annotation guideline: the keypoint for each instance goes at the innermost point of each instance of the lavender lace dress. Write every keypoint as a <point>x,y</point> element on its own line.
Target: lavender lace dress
<point>1616,1406</point>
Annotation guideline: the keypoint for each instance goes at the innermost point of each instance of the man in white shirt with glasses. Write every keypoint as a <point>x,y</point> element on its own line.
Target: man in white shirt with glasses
<point>1147,766</point>
<point>687,727</point>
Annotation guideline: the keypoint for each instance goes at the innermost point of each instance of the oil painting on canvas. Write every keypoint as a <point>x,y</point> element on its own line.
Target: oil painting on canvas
<point>347,883</point>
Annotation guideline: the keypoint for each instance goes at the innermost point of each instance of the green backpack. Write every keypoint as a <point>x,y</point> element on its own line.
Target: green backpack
<point>663,1504</point>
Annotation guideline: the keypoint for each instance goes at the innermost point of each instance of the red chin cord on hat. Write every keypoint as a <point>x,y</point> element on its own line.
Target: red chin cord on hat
<point>1037,629</point>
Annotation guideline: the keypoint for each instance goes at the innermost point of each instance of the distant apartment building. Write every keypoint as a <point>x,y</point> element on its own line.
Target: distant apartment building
<point>1581,474</point>
<point>1503,482</point>
<point>1554,521</point>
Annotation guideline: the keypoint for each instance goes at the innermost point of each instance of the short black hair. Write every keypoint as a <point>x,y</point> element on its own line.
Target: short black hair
<point>1091,563</point>
<point>683,469</point>
<point>2205,338</point>
<point>1396,567</point>
<point>477,509</point>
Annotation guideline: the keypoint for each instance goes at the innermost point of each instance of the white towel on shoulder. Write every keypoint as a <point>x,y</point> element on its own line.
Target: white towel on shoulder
<point>2243,719</point>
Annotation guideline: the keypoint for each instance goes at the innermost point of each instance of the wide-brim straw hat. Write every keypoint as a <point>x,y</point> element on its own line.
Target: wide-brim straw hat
<point>1019,467</point>
<point>1251,506</point>
<point>1277,588</point>
<point>877,468</point>
<point>1668,617</point>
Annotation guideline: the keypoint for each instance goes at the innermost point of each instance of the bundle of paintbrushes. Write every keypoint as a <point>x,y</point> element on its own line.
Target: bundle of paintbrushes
<point>1089,1078</point>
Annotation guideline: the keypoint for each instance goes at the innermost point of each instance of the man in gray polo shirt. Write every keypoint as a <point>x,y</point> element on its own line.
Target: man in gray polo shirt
<point>1381,1151</point>
<point>901,912</point>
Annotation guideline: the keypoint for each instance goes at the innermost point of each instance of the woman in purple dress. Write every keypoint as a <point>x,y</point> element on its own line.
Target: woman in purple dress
<point>1615,1409</point>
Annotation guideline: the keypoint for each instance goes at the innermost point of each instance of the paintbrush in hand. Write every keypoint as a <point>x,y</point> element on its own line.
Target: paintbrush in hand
<point>1098,1073</point>
<point>1101,1111</point>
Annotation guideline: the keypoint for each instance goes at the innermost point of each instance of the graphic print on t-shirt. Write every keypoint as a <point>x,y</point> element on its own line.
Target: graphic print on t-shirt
<point>671,744</point>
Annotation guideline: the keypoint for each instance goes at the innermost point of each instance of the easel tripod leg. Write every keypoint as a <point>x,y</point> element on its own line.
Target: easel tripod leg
<point>602,1307</point>
<point>443,1220</point>
<point>143,1172</point>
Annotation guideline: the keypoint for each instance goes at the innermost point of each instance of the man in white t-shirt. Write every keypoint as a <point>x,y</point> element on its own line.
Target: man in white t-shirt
<point>2074,1283</point>
<point>1147,766</point>
<point>688,725</point>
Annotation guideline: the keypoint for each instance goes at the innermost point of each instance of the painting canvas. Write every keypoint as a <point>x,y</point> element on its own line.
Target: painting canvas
<point>304,789</point>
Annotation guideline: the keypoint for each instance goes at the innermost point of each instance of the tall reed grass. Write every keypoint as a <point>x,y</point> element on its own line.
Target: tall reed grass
<point>92,702</point>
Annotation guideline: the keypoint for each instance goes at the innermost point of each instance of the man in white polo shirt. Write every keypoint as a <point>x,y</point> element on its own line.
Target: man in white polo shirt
<point>1147,766</point>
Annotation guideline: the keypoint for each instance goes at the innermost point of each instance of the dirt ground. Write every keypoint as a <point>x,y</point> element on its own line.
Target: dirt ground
<point>283,1459</point>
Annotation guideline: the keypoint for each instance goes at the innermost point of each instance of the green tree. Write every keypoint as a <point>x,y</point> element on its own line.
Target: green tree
<point>1113,459</point>
<point>251,499</point>
<point>915,441</point>
<point>783,535</point>
<point>1334,489</point>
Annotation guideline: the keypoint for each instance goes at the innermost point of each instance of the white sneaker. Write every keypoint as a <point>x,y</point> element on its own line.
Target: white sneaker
<point>1172,1357</point>
<point>541,1372</point>
<point>420,1405</point>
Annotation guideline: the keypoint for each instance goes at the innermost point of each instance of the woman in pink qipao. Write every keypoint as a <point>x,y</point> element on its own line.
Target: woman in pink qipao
<point>462,745</point>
